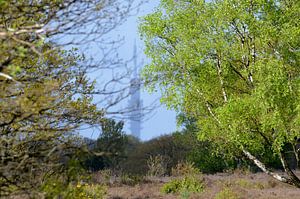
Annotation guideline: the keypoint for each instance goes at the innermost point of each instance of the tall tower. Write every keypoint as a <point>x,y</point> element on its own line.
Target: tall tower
<point>135,102</point>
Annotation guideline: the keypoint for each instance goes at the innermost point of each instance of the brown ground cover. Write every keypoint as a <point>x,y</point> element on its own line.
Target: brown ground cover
<point>220,186</point>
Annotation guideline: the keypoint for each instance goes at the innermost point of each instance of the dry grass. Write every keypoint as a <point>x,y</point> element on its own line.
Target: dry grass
<point>223,185</point>
<point>236,185</point>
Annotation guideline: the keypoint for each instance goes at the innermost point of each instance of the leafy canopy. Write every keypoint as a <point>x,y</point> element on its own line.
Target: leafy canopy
<point>232,64</point>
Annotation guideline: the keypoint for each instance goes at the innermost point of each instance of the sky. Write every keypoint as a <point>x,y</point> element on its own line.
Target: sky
<point>161,121</point>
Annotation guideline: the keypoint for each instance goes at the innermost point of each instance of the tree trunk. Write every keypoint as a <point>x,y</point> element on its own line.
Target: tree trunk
<point>296,150</point>
<point>292,180</point>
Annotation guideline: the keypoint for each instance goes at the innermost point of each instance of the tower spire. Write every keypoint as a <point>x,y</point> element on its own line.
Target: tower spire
<point>135,102</point>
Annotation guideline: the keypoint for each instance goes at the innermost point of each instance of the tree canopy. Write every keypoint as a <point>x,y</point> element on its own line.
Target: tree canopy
<point>40,115</point>
<point>45,92</point>
<point>234,66</point>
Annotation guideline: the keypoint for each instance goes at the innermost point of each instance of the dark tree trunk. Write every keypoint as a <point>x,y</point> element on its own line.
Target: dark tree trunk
<point>292,177</point>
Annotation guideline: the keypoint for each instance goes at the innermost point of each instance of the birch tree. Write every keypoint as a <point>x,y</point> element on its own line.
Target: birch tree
<point>234,66</point>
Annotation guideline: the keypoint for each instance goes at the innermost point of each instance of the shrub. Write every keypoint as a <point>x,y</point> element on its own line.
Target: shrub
<point>185,168</point>
<point>96,191</point>
<point>178,147</point>
<point>205,157</point>
<point>172,187</point>
<point>170,149</point>
<point>73,191</point>
<point>188,184</point>
<point>72,186</point>
<point>157,165</point>
<point>131,180</point>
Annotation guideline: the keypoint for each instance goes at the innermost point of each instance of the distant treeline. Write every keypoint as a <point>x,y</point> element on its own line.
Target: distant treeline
<point>124,153</point>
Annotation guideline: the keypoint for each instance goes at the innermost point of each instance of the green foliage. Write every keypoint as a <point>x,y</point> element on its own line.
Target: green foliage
<point>203,153</point>
<point>163,147</point>
<point>42,109</point>
<point>206,155</point>
<point>53,187</point>
<point>233,65</point>
<point>112,141</point>
<point>188,184</point>
<point>40,116</point>
<point>45,92</point>
<point>158,156</point>
<point>171,187</point>
<point>109,149</point>
<point>189,180</point>
<point>57,189</point>
<point>73,182</point>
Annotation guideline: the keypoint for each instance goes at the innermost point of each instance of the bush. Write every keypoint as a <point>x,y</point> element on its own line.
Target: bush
<point>87,191</point>
<point>73,184</point>
<point>205,157</point>
<point>178,147</point>
<point>188,184</point>
<point>131,180</point>
<point>169,148</point>
<point>184,169</point>
<point>57,189</point>
<point>191,182</point>
<point>157,166</point>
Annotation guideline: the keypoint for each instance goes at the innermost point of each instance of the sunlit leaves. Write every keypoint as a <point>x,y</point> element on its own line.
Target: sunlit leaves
<point>247,51</point>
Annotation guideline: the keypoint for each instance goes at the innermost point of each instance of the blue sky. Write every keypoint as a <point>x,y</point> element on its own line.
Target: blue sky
<point>161,121</point>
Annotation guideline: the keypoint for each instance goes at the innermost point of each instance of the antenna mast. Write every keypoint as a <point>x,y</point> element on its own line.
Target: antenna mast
<point>135,102</point>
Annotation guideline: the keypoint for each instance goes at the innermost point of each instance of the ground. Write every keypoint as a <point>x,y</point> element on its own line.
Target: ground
<point>220,186</point>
